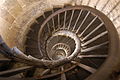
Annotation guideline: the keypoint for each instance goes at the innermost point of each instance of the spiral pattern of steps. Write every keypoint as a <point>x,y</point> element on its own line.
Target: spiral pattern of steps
<point>44,29</point>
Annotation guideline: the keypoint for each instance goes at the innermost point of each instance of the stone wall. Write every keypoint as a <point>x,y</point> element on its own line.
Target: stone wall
<point>17,15</point>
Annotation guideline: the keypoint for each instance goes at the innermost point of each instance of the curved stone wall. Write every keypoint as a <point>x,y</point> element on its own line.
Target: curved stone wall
<point>16,16</point>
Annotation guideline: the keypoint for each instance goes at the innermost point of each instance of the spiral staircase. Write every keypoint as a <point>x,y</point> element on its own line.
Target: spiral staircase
<point>59,40</point>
